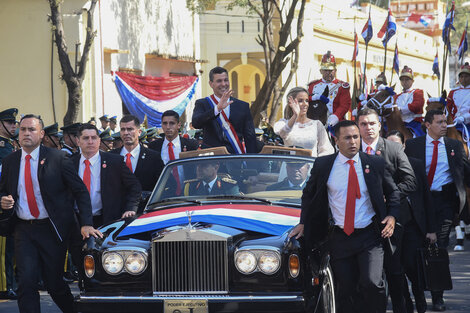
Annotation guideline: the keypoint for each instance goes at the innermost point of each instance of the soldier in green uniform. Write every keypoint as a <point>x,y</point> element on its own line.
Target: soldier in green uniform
<point>106,140</point>
<point>7,277</point>
<point>70,139</point>
<point>52,136</point>
<point>210,183</point>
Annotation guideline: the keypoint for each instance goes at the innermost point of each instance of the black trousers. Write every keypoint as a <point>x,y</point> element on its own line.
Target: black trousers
<point>357,263</point>
<point>38,247</point>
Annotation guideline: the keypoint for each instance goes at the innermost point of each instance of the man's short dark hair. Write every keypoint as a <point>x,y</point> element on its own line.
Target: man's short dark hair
<point>367,111</point>
<point>130,118</point>
<point>397,133</point>
<point>216,70</point>
<point>38,117</point>
<point>171,113</point>
<point>87,126</point>
<point>341,124</point>
<point>429,117</point>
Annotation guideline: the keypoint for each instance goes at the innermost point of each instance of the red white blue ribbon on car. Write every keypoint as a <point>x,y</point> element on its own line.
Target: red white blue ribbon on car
<point>151,96</point>
<point>269,220</point>
<point>227,127</point>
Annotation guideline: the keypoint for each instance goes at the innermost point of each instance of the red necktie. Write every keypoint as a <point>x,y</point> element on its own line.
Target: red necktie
<point>369,150</point>
<point>128,161</point>
<point>353,192</point>
<point>87,175</point>
<point>171,154</point>
<point>28,181</point>
<point>432,168</point>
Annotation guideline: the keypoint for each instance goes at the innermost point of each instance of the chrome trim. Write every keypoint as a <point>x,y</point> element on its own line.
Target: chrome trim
<point>209,298</point>
<point>124,252</point>
<point>258,251</point>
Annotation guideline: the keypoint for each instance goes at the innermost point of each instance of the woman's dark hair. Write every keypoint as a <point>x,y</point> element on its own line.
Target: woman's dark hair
<point>397,133</point>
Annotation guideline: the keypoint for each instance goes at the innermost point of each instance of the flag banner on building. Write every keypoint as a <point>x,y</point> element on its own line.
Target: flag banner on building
<point>463,46</point>
<point>356,47</point>
<point>367,31</point>
<point>419,18</point>
<point>389,28</point>
<point>396,62</point>
<point>448,26</point>
<point>151,96</point>
<point>435,67</point>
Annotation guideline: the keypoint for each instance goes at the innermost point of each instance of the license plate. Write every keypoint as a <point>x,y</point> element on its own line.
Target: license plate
<point>185,306</point>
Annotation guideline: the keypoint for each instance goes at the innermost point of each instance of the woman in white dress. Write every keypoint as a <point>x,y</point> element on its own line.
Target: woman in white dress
<point>298,130</point>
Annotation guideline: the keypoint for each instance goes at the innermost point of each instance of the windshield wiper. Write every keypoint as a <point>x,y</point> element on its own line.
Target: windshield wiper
<point>174,200</point>
<point>239,197</point>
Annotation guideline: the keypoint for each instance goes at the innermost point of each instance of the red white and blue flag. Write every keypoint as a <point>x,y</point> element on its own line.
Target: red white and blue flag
<point>448,26</point>
<point>271,220</point>
<point>396,62</point>
<point>435,66</point>
<point>367,32</point>
<point>389,28</point>
<point>356,47</point>
<point>463,46</point>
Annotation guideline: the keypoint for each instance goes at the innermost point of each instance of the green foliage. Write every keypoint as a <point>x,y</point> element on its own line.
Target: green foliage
<point>199,6</point>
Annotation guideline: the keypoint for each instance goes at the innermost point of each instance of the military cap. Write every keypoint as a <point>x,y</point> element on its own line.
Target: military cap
<point>52,130</point>
<point>116,136</point>
<point>381,79</point>
<point>152,132</point>
<point>259,132</point>
<point>465,68</point>
<point>406,72</point>
<point>113,119</point>
<point>328,61</point>
<point>104,118</point>
<point>143,134</point>
<point>9,114</point>
<point>71,129</point>
<point>105,135</point>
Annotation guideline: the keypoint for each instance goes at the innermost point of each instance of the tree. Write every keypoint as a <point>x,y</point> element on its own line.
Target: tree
<point>279,49</point>
<point>72,78</point>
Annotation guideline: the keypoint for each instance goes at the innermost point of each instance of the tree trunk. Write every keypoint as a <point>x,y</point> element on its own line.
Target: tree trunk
<point>74,103</point>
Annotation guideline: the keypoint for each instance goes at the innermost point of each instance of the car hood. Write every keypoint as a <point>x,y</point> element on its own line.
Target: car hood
<point>265,219</point>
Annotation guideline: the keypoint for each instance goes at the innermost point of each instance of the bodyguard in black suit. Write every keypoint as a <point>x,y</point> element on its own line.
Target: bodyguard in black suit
<point>207,117</point>
<point>403,176</point>
<point>38,187</point>
<point>297,173</point>
<point>355,206</point>
<point>447,171</point>
<point>114,190</point>
<point>145,163</point>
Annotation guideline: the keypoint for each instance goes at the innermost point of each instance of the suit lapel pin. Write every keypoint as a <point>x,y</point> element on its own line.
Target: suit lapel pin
<point>143,156</point>
<point>367,170</point>
<point>42,161</point>
<point>452,153</point>
<point>104,164</point>
<point>378,152</point>
<point>185,149</point>
<point>219,184</point>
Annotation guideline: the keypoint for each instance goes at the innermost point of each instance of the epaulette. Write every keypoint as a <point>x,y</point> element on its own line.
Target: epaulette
<point>345,85</point>
<point>191,180</point>
<point>313,82</point>
<point>228,180</point>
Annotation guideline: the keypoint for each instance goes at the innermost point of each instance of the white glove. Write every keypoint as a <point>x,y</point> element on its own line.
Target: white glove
<point>332,120</point>
<point>459,120</point>
<point>354,112</point>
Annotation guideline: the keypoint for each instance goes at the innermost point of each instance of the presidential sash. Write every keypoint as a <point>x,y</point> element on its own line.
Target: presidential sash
<point>227,127</point>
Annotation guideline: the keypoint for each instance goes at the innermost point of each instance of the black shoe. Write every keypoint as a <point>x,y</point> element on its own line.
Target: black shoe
<point>68,278</point>
<point>41,286</point>
<point>11,294</point>
<point>438,305</point>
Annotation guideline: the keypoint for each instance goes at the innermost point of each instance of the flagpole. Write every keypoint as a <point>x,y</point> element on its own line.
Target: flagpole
<point>386,42</point>
<point>444,61</point>
<point>393,63</point>
<point>363,83</point>
<point>353,102</point>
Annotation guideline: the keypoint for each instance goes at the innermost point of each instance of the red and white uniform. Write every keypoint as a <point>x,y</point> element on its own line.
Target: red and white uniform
<point>339,95</point>
<point>411,103</point>
<point>458,103</point>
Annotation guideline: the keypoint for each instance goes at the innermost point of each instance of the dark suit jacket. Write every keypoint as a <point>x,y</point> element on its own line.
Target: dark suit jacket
<point>240,117</point>
<point>120,189</point>
<point>458,163</point>
<point>189,144</point>
<point>315,207</point>
<point>421,203</point>
<point>60,186</point>
<point>148,169</point>
<point>282,185</point>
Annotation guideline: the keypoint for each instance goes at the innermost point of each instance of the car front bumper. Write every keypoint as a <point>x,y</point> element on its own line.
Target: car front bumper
<point>224,304</point>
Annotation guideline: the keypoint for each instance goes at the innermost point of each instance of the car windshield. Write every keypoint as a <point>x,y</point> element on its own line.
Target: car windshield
<point>264,178</point>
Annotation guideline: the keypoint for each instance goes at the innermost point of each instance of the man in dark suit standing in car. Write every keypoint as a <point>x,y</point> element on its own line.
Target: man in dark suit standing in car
<point>357,207</point>
<point>145,163</point>
<point>225,121</point>
<point>114,190</point>
<point>448,172</point>
<point>37,188</point>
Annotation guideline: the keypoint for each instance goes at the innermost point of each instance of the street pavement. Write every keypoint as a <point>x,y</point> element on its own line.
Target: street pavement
<point>457,300</point>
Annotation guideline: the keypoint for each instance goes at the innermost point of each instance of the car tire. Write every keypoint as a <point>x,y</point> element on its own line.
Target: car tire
<point>327,298</point>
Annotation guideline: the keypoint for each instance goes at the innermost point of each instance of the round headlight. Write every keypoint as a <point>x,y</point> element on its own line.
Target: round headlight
<point>113,263</point>
<point>269,262</point>
<point>135,263</point>
<point>245,262</point>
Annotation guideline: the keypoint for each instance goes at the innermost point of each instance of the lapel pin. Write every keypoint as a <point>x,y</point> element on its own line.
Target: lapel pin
<point>143,156</point>
<point>367,170</point>
<point>378,152</point>
<point>104,164</point>
<point>452,153</point>
<point>42,161</point>
<point>184,149</point>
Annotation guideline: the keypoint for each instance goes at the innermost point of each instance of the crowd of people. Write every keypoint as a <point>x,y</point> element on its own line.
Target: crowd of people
<point>57,189</point>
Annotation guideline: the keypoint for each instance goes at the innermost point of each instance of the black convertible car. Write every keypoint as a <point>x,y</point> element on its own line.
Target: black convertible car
<point>215,239</point>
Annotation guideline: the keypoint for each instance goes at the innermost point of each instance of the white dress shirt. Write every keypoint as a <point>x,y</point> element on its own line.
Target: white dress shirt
<point>22,210</point>
<point>338,190</point>
<point>95,181</point>
<point>442,176</point>
<point>211,184</point>
<point>226,110</point>
<point>372,145</point>
<point>176,149</point>
<point>134,156</point>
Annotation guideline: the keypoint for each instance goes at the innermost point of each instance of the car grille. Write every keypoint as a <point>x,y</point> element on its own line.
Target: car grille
<point>190,267</point>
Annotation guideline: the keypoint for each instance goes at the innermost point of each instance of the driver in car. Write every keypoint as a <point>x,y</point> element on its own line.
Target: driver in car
<point>209,183</point>
<point>297,173</point>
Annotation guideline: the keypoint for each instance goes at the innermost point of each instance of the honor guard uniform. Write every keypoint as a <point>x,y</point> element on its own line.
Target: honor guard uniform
<point>410,102</point>
<point>7,133</point>
<point>117,143</point>
<point>219,186</point>
<point>70,138</point>
<point>52,136</point>
<point>106,140</point>
<point>104,122</point>
<point>340,98</point>
<point>113,124</point>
